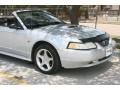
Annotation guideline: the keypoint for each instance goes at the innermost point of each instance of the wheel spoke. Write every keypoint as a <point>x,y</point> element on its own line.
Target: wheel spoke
<point>39,56</point>
<point>42,63</point>
<point>50,59</point>
<point>48,66</point>
<point>45,54</point>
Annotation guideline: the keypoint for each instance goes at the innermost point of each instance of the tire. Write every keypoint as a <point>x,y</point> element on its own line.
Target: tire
<point>43,62</point>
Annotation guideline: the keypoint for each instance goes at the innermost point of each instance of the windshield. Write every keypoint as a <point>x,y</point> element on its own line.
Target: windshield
<point>36,19</point>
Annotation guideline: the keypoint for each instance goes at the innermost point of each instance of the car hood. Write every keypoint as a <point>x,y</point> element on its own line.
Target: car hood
<point>73,31</point>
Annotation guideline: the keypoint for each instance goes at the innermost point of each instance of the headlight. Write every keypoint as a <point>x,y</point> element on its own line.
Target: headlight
<point>81,46</point>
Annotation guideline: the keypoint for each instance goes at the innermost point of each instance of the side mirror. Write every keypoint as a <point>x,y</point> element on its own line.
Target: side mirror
<point>14,26</point>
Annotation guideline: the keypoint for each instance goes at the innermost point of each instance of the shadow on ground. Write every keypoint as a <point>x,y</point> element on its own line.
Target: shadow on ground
<point>82,73</point>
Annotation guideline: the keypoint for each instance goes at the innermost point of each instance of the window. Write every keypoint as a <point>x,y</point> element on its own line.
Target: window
<point>36,19</point>
<point>15,22</point>
<point>10,20</point>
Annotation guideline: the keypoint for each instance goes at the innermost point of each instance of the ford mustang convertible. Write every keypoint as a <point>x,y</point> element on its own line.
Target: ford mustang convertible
<point>51,44</point>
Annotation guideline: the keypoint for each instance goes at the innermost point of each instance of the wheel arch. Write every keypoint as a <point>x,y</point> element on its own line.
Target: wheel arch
<point>39,43</point>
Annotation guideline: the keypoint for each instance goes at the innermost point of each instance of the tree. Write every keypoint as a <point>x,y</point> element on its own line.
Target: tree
<point>73,12</point>
<point>86,13</point>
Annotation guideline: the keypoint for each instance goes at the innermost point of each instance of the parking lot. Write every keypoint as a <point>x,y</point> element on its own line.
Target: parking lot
<point>16,71</point>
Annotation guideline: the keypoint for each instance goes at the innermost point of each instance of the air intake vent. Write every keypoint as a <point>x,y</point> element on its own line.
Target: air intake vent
<point>73,26</point>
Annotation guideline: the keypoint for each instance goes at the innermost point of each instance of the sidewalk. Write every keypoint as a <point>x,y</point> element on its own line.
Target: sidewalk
<point>109,28</point>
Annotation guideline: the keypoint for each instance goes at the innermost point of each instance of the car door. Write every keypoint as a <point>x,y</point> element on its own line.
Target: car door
<point>19,38</point>
<point>5,39</point>
<point>13,38</point>
<point>20,42</point>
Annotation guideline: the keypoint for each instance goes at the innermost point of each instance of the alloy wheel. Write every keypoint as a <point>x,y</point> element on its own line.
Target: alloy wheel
<point>44,60</point>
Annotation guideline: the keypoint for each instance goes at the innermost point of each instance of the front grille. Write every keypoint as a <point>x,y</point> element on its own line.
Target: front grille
<point>103,39</point>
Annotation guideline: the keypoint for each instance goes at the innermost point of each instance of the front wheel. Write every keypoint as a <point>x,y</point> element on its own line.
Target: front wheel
<point>47,59</point>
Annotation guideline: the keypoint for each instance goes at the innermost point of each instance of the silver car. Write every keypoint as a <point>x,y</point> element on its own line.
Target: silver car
<point>38,36</point>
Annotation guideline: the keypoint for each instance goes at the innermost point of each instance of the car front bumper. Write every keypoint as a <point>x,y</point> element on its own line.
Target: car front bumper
<point>84,58</point>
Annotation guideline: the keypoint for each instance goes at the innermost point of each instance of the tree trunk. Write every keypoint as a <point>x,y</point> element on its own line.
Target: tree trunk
<point>74,14</point>
<point>86,14</point>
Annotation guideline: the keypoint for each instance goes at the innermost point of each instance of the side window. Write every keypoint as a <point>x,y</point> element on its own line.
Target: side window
<point>10,22</point>
<point>14,24</point>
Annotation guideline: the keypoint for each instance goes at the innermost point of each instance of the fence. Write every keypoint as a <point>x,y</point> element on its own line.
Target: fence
<point>110,16</point>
